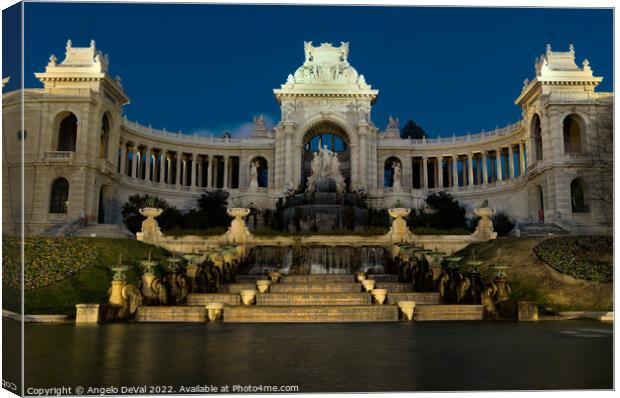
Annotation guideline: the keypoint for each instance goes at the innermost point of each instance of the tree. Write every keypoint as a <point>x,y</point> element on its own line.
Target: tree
<point>170,218</point>
<point>412,130</point>
<point>211,211</point>
<point>445,213</point>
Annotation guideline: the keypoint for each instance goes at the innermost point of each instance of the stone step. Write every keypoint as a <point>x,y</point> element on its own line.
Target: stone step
<point>395,287</point>
<point>325,313</point>
<point>313,299</point>
<point>419,298</point>
<point>206,298</point>
<point>250,278</point>
<point>384,278</point>
<point>316,288</point>
<point>537,229</point>
<point>237,287</point>
<point>179,313</point>
<point>319,278</point>
<point>445,312</point>
<point>116,231</point>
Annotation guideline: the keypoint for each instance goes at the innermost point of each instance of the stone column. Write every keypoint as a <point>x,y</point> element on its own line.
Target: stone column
<point>162,166</point>
<point>199,182</point>
<point>226,161</point>
<point>440,171</point>
<point>485,171</point>
<point>123,159</point>
<point>169,172</point>
<point>522,158</point>
<point>185,162</point>
<point>511,163</point>
<point>288,142</point>
<point>147,171</point>
<point>134,163</point>
<point>194,168</point>
<point>498,157</point>
<point>177,174</point>
<point>425,172</point>
<point>470,169</point>
<point>479,169</point>
<point>455,171</point>
<point>210,172</point>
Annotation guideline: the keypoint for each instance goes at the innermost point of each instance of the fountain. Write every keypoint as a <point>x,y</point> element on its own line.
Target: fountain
<point>325,205</point>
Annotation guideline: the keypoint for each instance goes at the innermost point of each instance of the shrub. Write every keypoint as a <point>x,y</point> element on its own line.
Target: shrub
<point>582,257</point>
<point>170,218</point>
<point>502,224</point>
<point>211,211</point>
<point>446,213</point>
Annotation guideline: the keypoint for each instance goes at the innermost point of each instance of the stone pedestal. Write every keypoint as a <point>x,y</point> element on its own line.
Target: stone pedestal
<point>88,313</point>
<point>522,311</point>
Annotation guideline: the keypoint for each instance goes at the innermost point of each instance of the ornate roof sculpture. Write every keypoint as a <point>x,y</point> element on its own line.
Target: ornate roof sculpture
<point>81,67</point>
<point>325,72</point>
<point>559,68</point>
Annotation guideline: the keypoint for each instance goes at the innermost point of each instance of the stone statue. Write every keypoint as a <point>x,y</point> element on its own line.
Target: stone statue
<point>325,165</point>
<point>392,123</point>
<point>254,174</point>
<point>462,289</point>
<point>397,185</point>
<point>487,300</point>
<point>259,122</point>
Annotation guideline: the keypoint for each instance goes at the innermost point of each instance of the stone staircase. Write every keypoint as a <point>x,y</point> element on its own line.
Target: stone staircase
<point>117,231</point>
<point>538,229</point>
<point>311,298</point>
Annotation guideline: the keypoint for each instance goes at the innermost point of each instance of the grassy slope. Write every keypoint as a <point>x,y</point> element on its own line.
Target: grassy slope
<point>532,279</point>
<point>89,285</point>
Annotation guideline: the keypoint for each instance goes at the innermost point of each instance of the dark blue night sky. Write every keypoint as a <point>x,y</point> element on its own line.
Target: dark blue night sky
<point>212,67</point>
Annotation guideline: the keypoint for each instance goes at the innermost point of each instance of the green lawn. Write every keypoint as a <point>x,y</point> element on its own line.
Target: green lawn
<point>62,272</point>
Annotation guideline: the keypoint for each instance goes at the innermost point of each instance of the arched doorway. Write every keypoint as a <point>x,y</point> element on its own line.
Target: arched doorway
<point>540,204</point>
<point>67,132</point>
<point>332,137</point>
<point>536,137</point>
<point>572,131</point>
<point>578,196</point>
<point>102,216</point>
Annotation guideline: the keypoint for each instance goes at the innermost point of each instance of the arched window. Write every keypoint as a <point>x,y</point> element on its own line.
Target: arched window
<point>105,137</point>
<point>59,199</point>
<point>388,171</point>
<point>262,171</point>
<point>578,196</point>
<point>536,134</point>
<point>572,134</point>
<point>67,133</point>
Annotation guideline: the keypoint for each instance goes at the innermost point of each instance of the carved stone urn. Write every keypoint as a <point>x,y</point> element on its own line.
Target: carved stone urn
<point>238,231</point>
<point>150,229</point>
<point>214,311</point>
<point>406,308</point>
<point>263,285</point>
<point>275,276</point>
<point>379,295</point>
<point>368,284</point>
<point>118,283</point>
<point>248,296</point>
<point>399,231</point>
<point>484,229</point>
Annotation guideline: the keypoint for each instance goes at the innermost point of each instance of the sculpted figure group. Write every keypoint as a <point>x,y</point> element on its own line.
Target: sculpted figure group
<point>325,164</point>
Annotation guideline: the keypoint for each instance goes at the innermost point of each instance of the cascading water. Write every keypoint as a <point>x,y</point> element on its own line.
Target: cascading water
<point>321,259</point>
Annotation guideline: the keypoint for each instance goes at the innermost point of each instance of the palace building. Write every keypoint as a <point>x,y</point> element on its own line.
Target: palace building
<point>82,157</point>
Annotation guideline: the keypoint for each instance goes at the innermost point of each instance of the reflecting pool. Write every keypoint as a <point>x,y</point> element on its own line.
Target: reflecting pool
<point>422,356</point>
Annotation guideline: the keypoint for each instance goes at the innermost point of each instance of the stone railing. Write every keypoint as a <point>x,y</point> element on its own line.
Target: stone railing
<point>454,139</point>
<point>182,138</point>
<point>59,156</point>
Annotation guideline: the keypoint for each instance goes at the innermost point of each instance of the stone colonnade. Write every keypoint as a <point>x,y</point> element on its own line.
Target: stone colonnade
<point>177,168</point>
<point>480,167</point>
